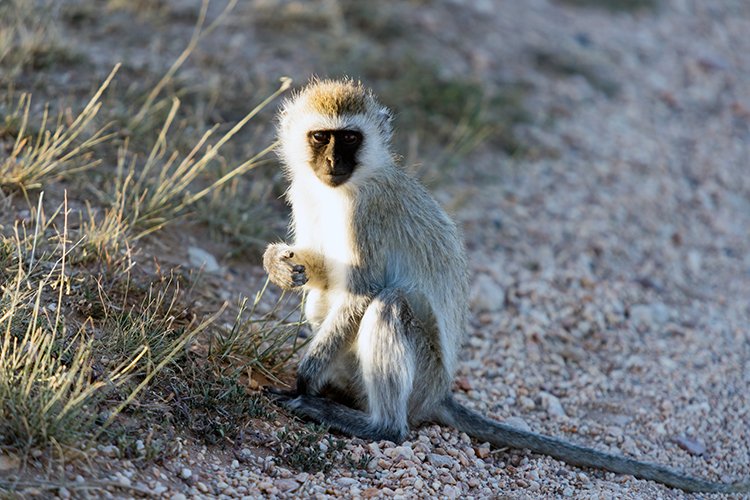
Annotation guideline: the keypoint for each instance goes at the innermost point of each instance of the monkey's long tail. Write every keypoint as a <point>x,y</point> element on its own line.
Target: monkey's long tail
<point>500,435</point>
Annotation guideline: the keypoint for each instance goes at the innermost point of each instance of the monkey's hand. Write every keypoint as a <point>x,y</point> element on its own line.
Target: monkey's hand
<point>282,267</point>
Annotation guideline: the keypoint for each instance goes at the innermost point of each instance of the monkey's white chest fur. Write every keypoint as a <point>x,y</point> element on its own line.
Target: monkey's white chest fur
<point>321,221</point>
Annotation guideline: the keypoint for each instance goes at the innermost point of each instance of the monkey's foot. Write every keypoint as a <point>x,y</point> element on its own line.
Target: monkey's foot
<point>279,396</point>
<point>343,419</point>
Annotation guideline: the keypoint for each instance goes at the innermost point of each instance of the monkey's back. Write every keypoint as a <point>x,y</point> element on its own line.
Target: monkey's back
<point>407,241</point>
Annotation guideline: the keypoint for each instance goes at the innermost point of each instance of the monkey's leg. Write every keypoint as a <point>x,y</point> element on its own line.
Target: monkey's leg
<point>335,333</point>
<point>387,365</point>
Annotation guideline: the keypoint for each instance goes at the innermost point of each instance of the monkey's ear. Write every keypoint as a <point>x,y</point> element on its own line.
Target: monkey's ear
<point>385,115</point>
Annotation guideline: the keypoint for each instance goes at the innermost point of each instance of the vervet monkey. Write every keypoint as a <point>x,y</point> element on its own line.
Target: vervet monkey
<point>386,279</point>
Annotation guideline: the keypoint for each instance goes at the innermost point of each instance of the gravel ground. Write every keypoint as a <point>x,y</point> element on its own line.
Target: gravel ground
<point>610,275</point>
<point>611,269</point>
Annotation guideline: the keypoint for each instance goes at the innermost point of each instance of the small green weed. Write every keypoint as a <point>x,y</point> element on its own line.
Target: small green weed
<point>311,449</point>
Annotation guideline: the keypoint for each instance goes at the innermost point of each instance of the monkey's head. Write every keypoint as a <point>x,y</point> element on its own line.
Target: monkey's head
<point>335,131</point>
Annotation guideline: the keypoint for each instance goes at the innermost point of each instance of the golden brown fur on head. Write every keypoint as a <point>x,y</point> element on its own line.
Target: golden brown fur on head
<point>337,97</point>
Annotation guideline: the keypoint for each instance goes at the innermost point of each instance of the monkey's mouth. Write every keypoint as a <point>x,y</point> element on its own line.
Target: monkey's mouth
<point>336,179</point>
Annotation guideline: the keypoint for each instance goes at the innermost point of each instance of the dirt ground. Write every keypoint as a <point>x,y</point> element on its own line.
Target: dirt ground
<point>606,214</point>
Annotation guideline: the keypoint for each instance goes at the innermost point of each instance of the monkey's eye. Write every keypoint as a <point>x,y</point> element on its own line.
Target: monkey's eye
<point>320,137</point>
<point>350,138</point>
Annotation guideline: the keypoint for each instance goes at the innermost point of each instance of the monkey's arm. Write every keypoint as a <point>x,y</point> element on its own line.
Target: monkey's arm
<point>290,267</point>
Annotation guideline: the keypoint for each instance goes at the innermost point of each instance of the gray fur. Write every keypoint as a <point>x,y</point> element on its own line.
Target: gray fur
<point>386,273</point>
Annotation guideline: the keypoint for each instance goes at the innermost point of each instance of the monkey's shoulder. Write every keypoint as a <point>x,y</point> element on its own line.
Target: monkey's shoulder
<point>404,233</point>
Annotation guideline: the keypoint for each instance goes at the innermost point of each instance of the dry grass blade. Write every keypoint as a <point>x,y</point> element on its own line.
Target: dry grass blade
<point>261,342</point>
<point>45,371</point>
<point>151,198</point>
<point>54,152</point>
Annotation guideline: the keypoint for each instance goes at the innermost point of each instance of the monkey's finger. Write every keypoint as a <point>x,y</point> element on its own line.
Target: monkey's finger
<point>299,279</point>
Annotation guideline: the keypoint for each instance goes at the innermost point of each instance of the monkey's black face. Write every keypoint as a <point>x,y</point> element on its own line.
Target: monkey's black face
<point>334,154</point>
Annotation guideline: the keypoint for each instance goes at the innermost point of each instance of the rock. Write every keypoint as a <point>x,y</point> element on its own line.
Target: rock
<point>440,460</point>
<point>400,452</point>
<point>111,451</point>
<point>370,492</point>
<point>200,258</point>
<point>645,315</point>
<point>527,403</point>
<point>486,295</point>
<point>158,489</point>
<point>552,404</point>
<point>451,491</point>
<point>518,423</point>
<point>691,445</point>
<point>286,484</point>
<point>186,473</point>
<point>482,451</point>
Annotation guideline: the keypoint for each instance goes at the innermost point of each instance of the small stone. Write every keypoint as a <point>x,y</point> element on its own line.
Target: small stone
<point>482,451</point>
<point>440,460</point>
<point>552,404</point>
<point>63,492</point>
<point>200,258</point>
<point>265,485</point>
<point>614,431</point>
<point>235,463</point>
<point>463,384</point>
<point>286,484</point>
<point>646,315</point>
<point>178,496</point>
<point>451,491</point>
<point>691,445</point>
<point>399,453</point>
<point>527,403</point>
<point>186,473</point>
<point>370,492</point>
<point>111,451</point>
<point>486,295</point>
<point>202,487</point>
<point>518,423</point>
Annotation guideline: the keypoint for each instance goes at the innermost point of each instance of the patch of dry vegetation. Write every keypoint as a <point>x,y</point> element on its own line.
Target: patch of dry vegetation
<point>95,348</point>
